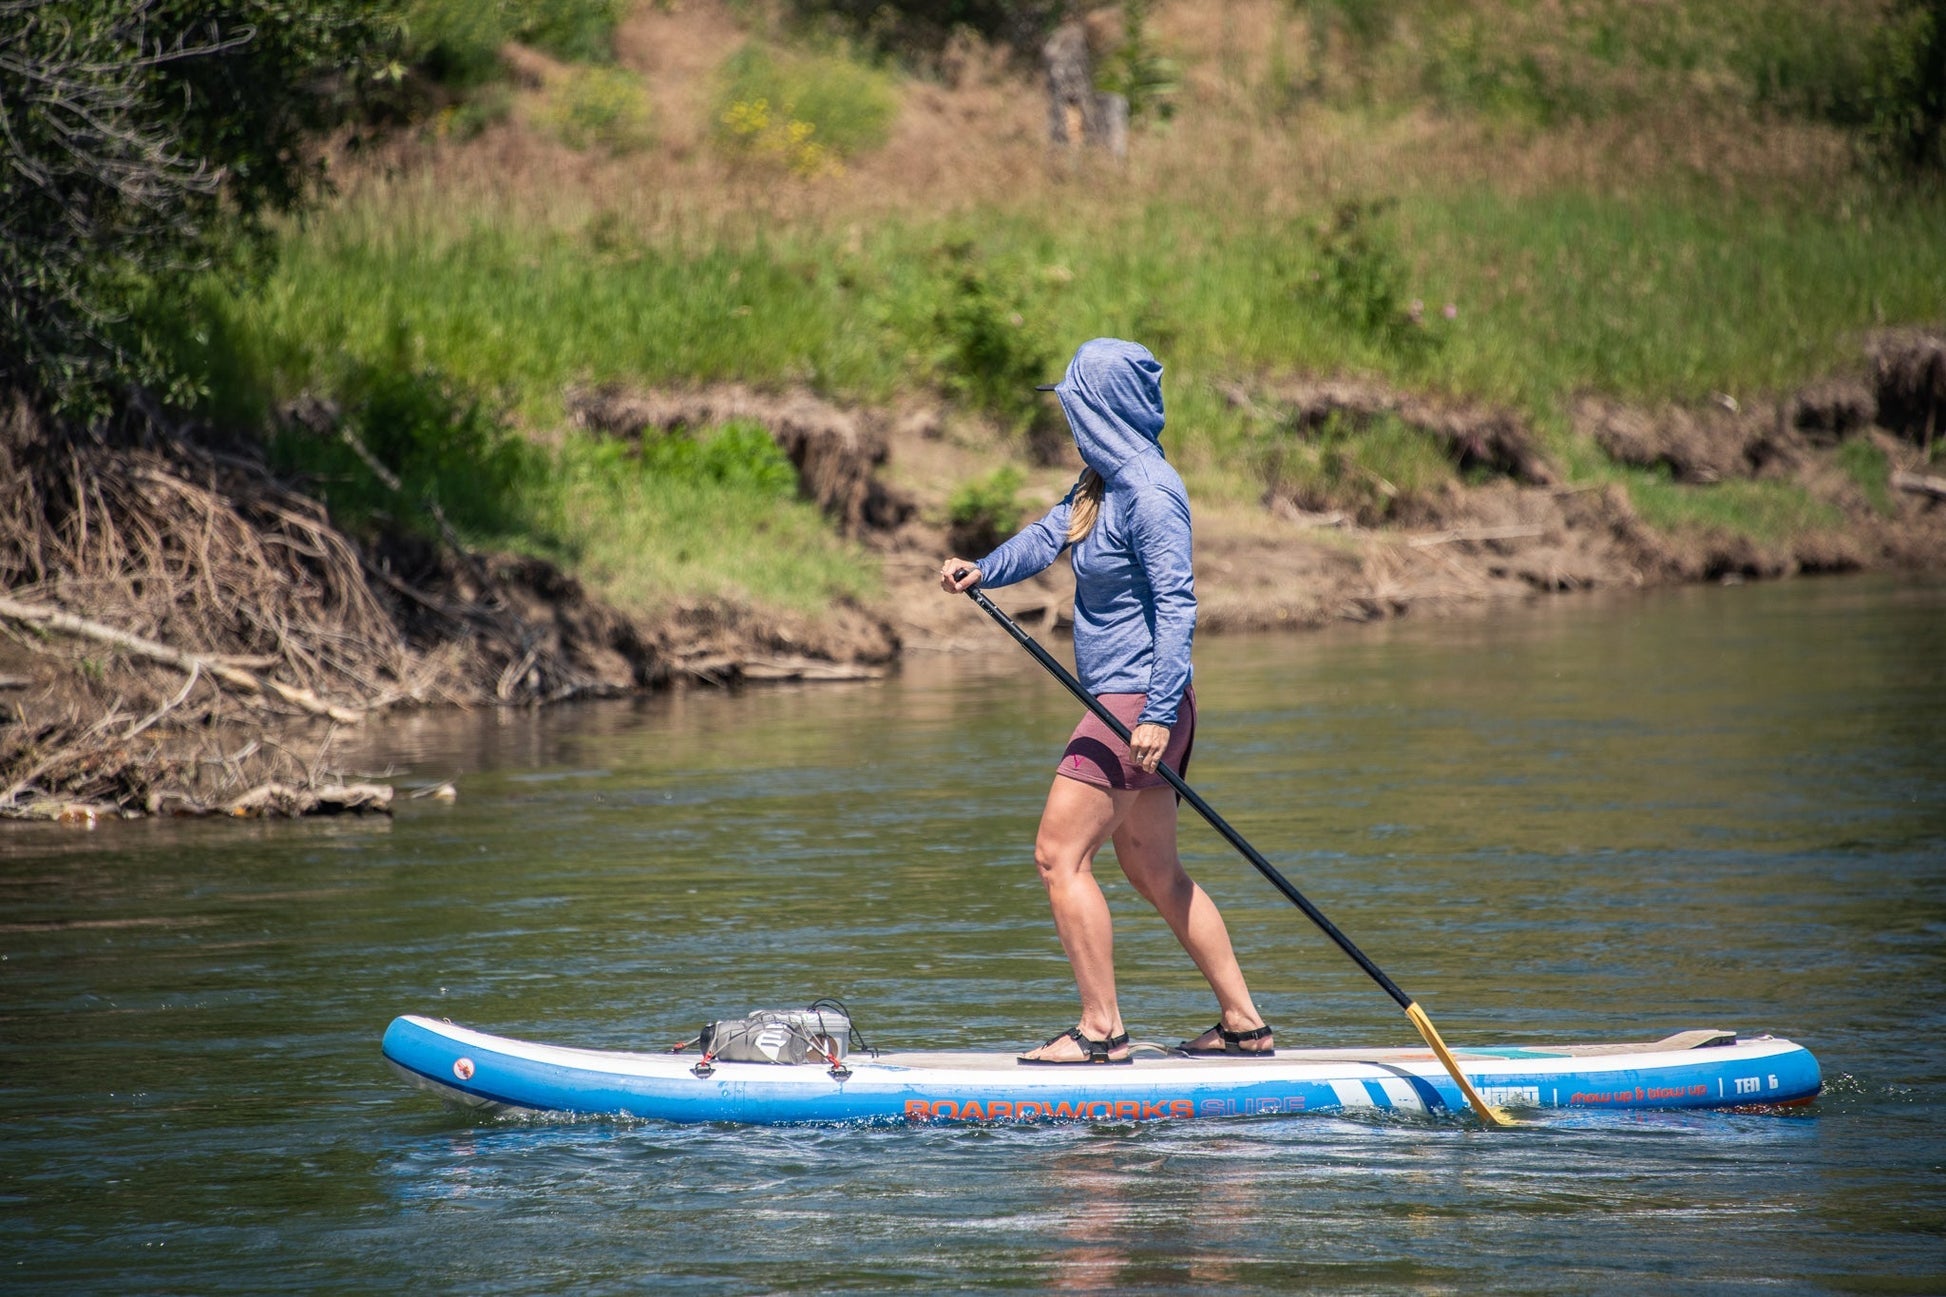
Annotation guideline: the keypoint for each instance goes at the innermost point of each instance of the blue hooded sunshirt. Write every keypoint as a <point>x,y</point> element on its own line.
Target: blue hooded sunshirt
<point>1134,595</point>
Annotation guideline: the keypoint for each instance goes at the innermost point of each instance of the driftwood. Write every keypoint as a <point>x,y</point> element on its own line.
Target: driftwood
<point>273,800</point>
<point>1920,484</point>
<point>196,664</point>
<point>266,801</point>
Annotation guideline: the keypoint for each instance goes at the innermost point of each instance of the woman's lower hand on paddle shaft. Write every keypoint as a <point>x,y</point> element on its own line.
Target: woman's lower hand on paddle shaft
<point>1146,744</point>
<point>957,576</point>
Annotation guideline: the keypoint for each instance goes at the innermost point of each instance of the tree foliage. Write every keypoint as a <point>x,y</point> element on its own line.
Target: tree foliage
<point>1909,117</point>
<point>143,143</point>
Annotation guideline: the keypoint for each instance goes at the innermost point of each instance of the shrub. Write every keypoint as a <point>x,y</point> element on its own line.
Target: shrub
<point>824,99</point>
<point>752,132</point>
<point>990,357</point>
<point>984,512</point>
<point>601,107</point>
<point>142,146</point>
<point>581,31</point>
<point>443,443</point>
<point>1907,102</point>
<point>457,42</point>
<point>1361,280</point>
<point>1138,71</point>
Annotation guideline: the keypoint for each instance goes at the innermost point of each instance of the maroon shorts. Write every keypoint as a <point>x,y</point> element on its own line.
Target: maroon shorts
<point>1095,756</point>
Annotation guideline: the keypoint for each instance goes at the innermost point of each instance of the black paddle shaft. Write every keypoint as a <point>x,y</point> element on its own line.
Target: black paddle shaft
<point>1190,795</point>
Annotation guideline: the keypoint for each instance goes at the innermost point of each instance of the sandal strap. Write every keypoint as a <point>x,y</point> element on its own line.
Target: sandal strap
<point>1094,1050</point>
<point>1238,1037</point>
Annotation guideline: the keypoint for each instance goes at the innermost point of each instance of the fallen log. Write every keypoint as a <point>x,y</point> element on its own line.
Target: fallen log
<point>269,800</point>
<point>195,663</point>
<point>1920,484</point>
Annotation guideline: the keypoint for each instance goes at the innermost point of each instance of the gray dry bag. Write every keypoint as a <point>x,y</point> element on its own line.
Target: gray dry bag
<point>819,1034</point>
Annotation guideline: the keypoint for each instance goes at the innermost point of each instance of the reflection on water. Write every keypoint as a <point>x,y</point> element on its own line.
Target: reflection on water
<point>1706,808</point>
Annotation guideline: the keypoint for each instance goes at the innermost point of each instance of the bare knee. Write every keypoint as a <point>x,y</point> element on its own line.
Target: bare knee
<point>1057,862</point>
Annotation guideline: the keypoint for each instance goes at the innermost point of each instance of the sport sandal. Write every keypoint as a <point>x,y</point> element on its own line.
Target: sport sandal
<point>1093,1051</point>
<point>1233,1042</point>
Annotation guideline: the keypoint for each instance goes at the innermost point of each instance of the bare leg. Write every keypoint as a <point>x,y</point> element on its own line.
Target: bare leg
<point>1145,846</point>
<point>1078,819</point>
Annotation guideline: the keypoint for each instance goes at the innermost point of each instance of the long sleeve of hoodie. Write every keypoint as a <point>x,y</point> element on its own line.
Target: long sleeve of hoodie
<point>1031,550</point>
<point>1159,526</point>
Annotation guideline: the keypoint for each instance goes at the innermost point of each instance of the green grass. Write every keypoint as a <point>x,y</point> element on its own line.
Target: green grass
<point>1652,288</point>
<point>646,538</point>
<point>1764,511</point>
<point>1649,298</point>
<point>1868,467</point>
<point>1374,472</point>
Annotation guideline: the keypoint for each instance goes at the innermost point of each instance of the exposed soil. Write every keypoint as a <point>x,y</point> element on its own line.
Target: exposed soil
<point>1519,533</point>
<point>186,634</point>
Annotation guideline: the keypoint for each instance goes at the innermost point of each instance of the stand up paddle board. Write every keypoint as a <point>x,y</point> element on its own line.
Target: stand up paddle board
<point>1692,1069</point>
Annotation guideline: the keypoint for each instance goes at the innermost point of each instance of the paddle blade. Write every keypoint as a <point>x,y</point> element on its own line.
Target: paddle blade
<point>1489,1115</point>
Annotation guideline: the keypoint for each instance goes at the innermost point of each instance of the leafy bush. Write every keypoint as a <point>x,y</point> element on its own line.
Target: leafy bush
<point>1908,97</point>
<point>990,357</point>
<point>581,31</point>
<point>753,133</point>
<point>141,146</point>
<point>826,99</point>
<point>1361,279</point>
<point>984,512</point>
<point>457,42</point>
<point>1138,71</point>
<point>601,107</point>
<point>443,443</point>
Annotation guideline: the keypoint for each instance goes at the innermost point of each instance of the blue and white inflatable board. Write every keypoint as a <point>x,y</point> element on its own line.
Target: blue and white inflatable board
<point>1693,1069</point>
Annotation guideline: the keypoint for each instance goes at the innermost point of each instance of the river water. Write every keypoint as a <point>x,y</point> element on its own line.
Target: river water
<point>1597,819</point>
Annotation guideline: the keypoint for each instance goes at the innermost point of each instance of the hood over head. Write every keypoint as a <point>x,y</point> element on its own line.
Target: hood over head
<point>1112,395</point>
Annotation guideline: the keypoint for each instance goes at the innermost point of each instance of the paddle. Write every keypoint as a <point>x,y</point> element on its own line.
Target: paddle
<point>1489,1114</point>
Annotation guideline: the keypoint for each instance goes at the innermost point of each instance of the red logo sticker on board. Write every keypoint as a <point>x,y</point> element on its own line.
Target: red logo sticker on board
<point>463,1068</point>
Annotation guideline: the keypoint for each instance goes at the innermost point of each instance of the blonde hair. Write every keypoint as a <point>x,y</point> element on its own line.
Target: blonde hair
<point>1087,505</point>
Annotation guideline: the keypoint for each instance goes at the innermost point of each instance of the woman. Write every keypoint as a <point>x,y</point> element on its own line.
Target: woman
<point>1127,521</point>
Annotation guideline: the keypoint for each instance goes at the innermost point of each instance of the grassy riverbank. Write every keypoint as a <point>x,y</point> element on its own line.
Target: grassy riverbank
<point>1646,249</point>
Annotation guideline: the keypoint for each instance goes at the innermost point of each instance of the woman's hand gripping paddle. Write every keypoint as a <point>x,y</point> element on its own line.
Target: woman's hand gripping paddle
<point>1488,1114</point>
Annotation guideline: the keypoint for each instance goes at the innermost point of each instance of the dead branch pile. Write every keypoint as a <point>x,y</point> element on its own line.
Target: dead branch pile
<point>169,602</point>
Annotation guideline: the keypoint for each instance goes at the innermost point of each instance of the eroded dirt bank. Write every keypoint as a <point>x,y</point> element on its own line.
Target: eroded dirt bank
<point>184,633</point>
